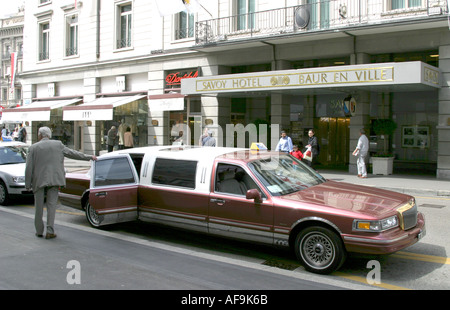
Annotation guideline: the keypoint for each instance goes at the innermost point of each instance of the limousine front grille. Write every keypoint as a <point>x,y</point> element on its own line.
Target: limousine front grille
<point>407,215</point>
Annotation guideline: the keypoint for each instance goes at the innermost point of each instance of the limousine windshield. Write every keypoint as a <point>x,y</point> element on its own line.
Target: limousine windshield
<point>284,174</point>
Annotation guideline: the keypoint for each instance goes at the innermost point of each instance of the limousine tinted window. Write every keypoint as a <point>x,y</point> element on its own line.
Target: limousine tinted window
<point>113,171</point>
<point>175,172</point>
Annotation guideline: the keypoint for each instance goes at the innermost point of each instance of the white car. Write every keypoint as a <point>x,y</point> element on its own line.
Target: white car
<point>13,157</point>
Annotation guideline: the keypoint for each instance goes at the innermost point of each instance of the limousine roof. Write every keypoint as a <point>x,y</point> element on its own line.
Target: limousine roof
<point>195,152</point>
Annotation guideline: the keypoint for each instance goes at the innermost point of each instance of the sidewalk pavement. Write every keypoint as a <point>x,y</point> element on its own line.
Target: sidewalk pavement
<point>416,185</point>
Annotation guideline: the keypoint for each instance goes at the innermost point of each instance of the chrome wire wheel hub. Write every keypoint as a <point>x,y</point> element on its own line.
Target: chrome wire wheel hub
<point>317,250</point>
<point>93,216</point>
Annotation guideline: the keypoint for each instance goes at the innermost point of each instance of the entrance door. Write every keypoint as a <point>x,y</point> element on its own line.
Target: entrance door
<point>333,135</point>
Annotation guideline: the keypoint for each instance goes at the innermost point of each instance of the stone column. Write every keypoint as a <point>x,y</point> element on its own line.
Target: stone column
<point>280,108</point>
<point>361,119</point>
<point>443,160</point>
<point>91,135</point>
<point>158,122</point>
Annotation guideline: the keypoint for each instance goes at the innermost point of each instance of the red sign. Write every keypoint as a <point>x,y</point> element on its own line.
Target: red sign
<point>175,78</point>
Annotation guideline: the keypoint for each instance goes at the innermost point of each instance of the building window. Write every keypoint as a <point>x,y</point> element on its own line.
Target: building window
<point>403,4</point>
<point>320,14</point>
<point>72,35</point>
<point>185,26</point>
<point>124,26</point>
<point>245,17</point>
<point>44,41</point>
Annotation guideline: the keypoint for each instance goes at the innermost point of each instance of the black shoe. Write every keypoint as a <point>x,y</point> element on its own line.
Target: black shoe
<point>39,235</point>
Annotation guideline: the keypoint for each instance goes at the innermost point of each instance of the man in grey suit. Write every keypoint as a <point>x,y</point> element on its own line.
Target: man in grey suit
<point>44,174</point>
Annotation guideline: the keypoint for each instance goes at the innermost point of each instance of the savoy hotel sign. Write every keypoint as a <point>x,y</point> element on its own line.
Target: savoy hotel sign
<point>355,75</point>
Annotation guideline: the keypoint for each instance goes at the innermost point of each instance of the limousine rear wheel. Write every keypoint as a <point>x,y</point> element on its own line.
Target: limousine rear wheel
<point>319,249</point>
<point>91,215</point>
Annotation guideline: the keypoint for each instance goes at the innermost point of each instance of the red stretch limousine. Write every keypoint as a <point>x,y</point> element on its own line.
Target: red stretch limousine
<point>264,196</point>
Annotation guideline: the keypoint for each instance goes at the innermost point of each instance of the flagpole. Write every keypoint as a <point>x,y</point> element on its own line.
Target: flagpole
<point>205,9</point>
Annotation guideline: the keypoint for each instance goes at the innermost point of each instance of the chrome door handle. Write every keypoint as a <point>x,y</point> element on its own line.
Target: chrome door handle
<point>101,194</point>
<point>218,200</point>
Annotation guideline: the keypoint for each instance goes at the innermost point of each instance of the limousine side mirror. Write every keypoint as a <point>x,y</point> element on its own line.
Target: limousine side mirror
<point>254,194</point>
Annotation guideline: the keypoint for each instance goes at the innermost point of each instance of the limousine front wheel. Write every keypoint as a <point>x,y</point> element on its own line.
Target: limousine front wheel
<point>91,215</point>
<point>319,249</point>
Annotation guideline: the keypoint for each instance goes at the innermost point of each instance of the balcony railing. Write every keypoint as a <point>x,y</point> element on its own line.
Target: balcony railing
<point>318,16</point>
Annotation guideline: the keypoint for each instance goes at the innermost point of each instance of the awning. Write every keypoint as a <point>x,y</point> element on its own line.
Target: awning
<point>101,109</point>
<point>166,102</point>
<point>35,111</point>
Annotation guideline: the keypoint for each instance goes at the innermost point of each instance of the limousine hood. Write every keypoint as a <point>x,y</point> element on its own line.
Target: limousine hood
<point>350,197</point>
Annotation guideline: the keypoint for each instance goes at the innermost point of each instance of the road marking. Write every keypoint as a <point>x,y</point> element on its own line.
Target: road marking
<point>364,280</point>
<point>423,257</point>
<point>70,212</point>
<point>59,211</point>
<point>435,197</point>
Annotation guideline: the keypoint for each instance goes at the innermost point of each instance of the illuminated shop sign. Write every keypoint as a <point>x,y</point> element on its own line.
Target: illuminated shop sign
<point>173,79</point>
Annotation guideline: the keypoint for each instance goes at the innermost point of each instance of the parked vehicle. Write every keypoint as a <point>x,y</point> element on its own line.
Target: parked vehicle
<point>13,157</point>
<point>263,196</point>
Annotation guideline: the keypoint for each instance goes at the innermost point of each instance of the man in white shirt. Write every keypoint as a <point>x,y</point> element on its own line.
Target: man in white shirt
<point>361,150</point>
<point>285,143</point>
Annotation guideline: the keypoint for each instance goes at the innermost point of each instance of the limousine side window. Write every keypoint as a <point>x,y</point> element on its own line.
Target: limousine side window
<point>175,172</point>
<point>233,179</point>
<point>113,171</point>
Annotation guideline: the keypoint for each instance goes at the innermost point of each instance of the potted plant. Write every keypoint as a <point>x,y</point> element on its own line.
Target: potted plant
<point>383,162</point>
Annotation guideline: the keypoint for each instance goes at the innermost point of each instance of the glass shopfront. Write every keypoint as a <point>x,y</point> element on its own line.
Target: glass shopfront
<point>132,115</point>
<point>61,130</point>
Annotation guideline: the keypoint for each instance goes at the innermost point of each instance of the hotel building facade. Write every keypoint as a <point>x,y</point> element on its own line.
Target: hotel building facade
<point>336,66</point>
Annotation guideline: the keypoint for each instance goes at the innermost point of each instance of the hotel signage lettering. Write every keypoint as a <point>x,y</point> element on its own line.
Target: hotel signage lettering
<point>317,78</point>
<point>375,74</point>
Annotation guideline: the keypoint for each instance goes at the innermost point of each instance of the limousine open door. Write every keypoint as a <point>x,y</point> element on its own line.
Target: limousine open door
<point>113,191</point>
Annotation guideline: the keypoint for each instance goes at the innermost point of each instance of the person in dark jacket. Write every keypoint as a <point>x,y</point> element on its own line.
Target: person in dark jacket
<point>314,145</point>
<point>111,141</point>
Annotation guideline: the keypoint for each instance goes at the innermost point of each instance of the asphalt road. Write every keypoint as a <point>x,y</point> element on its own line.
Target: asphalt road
<point>143,256</point>
<point>110,260</point>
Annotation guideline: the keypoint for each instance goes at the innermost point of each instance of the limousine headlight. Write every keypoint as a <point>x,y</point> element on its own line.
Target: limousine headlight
<point>376,226</point>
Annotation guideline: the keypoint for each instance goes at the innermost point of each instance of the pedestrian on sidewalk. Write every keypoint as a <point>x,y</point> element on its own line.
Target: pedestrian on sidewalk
<point>313,144</point>
<point>296,152</point>
<point>128,142</point>
<point>111,138</point>
<point>44,174</point>
<point>361,150</point>
<point>285,143</point>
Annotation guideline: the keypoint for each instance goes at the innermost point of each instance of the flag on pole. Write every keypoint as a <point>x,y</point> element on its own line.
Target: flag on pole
<point>192,6</point>
<point>169,7</point>
<point>13,72</point>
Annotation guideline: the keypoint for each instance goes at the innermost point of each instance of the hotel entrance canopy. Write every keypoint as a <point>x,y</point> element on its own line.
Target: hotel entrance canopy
<point>35,111</point>
<point>404,76</point>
